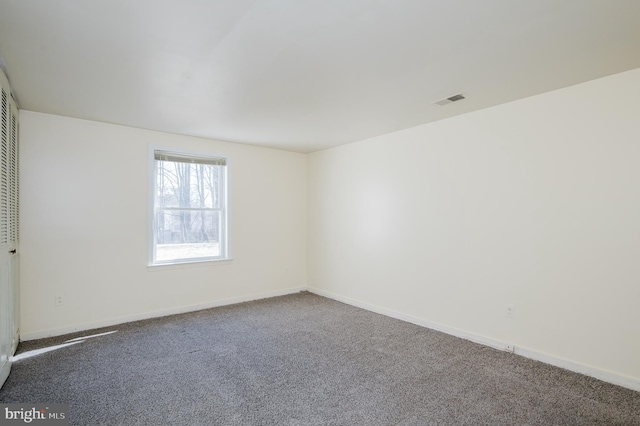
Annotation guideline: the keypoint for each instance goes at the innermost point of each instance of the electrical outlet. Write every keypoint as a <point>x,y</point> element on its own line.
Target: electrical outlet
<point>510,312</point>
<point>59,300</point>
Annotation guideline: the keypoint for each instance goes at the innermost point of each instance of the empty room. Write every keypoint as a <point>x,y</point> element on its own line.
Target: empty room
<point>322,212</point>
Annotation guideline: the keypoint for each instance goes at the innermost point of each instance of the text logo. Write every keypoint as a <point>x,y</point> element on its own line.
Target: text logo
<point>34,414</point>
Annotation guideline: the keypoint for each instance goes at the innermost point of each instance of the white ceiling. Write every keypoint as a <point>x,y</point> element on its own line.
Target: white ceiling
<point>303,75</point>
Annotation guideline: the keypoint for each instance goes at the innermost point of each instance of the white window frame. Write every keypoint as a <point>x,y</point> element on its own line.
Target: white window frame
<point>225,246</point>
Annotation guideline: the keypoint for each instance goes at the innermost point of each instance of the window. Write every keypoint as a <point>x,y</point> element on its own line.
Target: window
<point>189,208</point>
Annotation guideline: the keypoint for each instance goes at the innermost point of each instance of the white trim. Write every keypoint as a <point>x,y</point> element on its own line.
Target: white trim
<point>476,338</point>
<point>576,367</point>
<point>16,341</point>
<point>151,173</point>
<point>155,314</point>
<point>4,82</point>
<point>188,263</point>
<point>604,375</point>
<point>5,369</point>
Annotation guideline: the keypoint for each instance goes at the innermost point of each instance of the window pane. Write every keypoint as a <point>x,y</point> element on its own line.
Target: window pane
<point>189,185</point>
<point>184,234</point>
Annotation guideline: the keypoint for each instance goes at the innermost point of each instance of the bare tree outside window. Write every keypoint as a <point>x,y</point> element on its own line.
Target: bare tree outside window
<point>190,210</point>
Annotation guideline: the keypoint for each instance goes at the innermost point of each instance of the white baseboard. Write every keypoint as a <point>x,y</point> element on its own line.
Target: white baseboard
<point>155,314</point>
<point>606,376</point>
<point>587,370</point>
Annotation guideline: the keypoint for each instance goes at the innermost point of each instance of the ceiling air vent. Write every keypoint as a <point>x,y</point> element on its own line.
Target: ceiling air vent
<point>453,98</point>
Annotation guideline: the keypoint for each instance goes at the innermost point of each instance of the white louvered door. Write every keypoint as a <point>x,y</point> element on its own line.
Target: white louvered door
<point>9,262</point>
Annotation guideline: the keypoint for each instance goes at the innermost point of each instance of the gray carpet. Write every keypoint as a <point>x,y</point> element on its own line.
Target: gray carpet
<point>303,360</point>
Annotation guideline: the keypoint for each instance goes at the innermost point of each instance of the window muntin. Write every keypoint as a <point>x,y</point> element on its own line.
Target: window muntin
<point>189,208</point>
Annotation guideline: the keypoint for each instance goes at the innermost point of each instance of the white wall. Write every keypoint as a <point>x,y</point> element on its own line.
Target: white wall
<point>84,205</point>
<point>534,204</point>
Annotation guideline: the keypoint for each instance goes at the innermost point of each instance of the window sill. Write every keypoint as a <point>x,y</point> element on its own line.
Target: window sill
<point>188,264</point>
